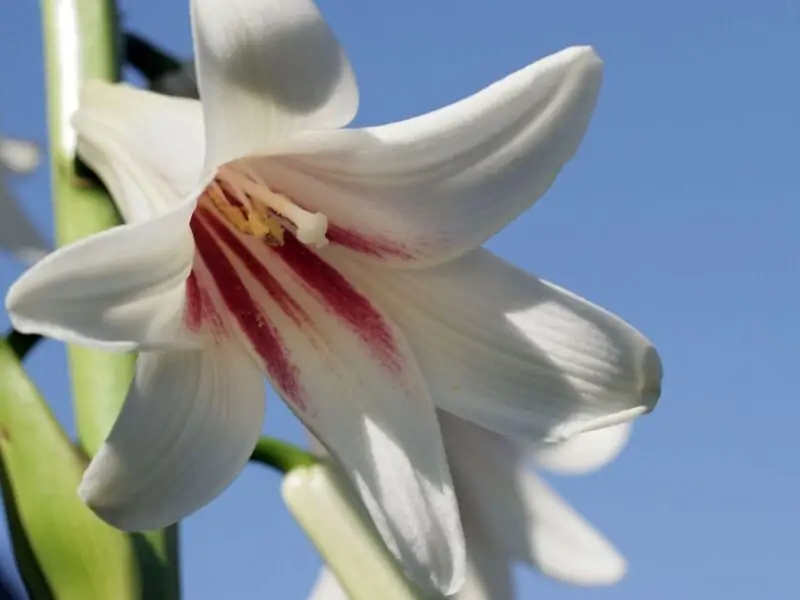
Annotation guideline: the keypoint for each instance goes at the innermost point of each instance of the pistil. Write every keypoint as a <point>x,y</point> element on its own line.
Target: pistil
<point>251,207</point>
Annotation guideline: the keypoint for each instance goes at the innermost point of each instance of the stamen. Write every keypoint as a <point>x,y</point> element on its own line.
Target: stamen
<point>253,208</point>
<point>311,227</point>
<point>251,222</point>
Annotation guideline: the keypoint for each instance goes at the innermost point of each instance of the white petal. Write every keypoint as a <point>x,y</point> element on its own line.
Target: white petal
<point>267,68</point>
<point>19,156</point>
<point>488,578</point>
<point>17,234</point>
<point>426,190</point>
<point>332,516</point>
<point>188,427</point>
<point>583,453</point>
<point>327,588</point>
<point>513,353</point>
<point>521,514</point>
<point>489,574</point>
<point>147,148</point>
<point>346,371</point>
<point>121,289</point>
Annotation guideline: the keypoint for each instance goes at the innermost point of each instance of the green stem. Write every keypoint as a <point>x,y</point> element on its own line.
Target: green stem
<point>281,456</point>
<point>81,43</point>
<point>22,343</point>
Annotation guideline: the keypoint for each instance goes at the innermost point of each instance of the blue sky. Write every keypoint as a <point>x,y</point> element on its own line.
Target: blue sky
<point>679,213</point>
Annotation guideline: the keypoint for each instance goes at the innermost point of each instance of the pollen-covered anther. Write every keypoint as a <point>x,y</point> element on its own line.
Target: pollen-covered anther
<point>253,208</point>
<point>248,219</point>
<point>310,228</point>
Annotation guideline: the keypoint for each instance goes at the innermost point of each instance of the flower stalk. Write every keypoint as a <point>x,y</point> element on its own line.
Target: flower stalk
<point>81,43</point>
<point>280,455</point>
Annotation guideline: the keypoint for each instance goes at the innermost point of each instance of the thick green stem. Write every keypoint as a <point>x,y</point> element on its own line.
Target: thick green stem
<point>81,42</point>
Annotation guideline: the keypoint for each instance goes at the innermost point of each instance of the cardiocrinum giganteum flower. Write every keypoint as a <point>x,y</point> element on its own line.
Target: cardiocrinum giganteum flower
<point>345,264</point>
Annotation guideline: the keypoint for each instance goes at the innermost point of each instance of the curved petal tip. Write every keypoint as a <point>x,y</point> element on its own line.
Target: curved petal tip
<point>652,374</point>
<point>188,426</point>
<point>579,69</point>
<point>584,453</point>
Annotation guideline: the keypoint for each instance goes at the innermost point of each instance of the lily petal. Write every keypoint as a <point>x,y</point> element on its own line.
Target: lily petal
<point>17,234</point>
<point>489,574</point>
<point>521,514</point>
<point>513,353</point>
<point>319,338</point>
<point>583,453</point>
<point>19,156</point>
<point>188,426</point>
<point>327,587</point>
<point>267,68</point>
<point>122,289</point>
<point>424,191</point>
<point>147,148</point>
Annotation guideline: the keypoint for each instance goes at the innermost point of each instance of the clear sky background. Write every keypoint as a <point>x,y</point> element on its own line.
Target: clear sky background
<point>680,213</point>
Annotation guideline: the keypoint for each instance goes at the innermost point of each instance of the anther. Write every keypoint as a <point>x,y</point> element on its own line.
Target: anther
<point>251,222</point>
<point>253,208</point>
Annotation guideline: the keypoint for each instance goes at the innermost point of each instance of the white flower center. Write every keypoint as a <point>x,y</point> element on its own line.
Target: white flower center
<point>250,206</point>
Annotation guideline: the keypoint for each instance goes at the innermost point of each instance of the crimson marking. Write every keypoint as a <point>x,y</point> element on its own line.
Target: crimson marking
<point>365,244</point>
<point>194,303</point>
<point>343,300</point>
<point>256,268</point>
<point>262,334</point>
<point>200,308</point>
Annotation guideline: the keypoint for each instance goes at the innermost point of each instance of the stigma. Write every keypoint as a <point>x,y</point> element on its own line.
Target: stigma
<point>252,208</point>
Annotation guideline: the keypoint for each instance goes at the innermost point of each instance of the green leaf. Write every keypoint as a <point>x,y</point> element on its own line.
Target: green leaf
<point>63,550</point>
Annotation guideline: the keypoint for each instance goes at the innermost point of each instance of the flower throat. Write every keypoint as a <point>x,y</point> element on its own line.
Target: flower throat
<point>252,208</point>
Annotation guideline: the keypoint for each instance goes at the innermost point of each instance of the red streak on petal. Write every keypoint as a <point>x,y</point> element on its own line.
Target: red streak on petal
<point>194,304</point>
<point>357,242</point>
<point>364,244</point>
<point>262,334</point>
<point>200,309</point>
<point>343,300</point>
<point>256,268</point>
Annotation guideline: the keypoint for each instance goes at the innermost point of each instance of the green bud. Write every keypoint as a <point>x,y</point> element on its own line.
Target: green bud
<point>331,515</point>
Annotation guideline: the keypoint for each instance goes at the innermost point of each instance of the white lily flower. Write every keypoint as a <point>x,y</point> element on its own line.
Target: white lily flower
<point>509,514</point>
<point>343,264</point>
<point>17,235</point>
